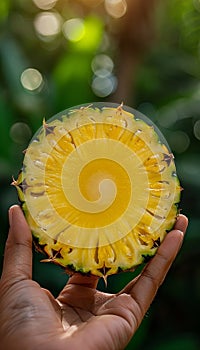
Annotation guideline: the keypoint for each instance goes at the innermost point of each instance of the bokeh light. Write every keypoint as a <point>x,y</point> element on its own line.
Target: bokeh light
<point>20,133</point>
<point>197,129</point>
<point>179,141</point>
<point>197,4</point>
<point>102,65</point>
<point>116,8</point>
<point>74,29</point>
<point>48,24</point>
<point>104,86</point>
<point>167,117</point>
<point>104,81</point>
<point>148,109</point>
<point>31,79</point>
<point>45,4</point>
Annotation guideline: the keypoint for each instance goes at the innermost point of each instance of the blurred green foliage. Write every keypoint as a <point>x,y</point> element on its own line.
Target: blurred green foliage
<point>167,86</point>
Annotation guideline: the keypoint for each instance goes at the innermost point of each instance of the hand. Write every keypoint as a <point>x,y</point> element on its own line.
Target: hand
<point>81,317</point>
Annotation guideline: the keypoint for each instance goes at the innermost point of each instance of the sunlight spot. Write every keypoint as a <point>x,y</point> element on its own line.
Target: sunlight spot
<point>179,141</point>
<point>196,4</point>
<point>102,65</point>
<point>74,29</point>
<point>116,8</point>
<point>167,117</point>
<point>31,79</point>
<point>104,86</point>
<point>197,129</point>
<point>45,4</point>
<point>48,24</point>
<point>148,109</point>
<point>20,133</point>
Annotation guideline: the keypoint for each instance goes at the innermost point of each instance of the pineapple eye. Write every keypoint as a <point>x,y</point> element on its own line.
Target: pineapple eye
<point>98,188</point>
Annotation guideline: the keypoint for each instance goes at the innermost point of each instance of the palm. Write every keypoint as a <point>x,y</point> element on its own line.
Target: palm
<point>79,310</point>
<point>81,317</point>
<point>98,318</point>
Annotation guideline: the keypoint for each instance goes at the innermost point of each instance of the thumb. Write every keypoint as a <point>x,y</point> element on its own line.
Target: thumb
<point>18,250</point>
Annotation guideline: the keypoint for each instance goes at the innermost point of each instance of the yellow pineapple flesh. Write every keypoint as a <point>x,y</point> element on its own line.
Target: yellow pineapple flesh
<point>99,189</point>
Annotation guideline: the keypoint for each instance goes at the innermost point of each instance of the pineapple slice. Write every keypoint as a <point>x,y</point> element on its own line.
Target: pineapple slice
<point>99,189</point>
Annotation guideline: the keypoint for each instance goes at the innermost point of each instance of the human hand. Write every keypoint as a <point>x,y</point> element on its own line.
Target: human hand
<point>81,317</point>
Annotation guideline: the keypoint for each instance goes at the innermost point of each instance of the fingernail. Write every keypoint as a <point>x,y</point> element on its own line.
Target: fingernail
<point>181,232</point>
<point>10,214</point>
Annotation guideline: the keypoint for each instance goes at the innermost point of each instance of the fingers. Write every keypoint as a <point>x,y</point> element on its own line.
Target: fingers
<point>79,292</point>
<point>86,281</point>
<point>144,289</point>
<point>18,250</point>
<point>181,223</point>
<point>78,289</point>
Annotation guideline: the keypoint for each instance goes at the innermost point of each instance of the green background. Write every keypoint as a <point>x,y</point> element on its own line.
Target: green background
<point>151,61</point>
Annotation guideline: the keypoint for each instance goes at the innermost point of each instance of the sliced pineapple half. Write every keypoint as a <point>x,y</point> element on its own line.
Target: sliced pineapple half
<point>99,189</point>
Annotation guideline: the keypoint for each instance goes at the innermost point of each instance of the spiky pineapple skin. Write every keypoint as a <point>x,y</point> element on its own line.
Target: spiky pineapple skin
<point>140,242</point>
